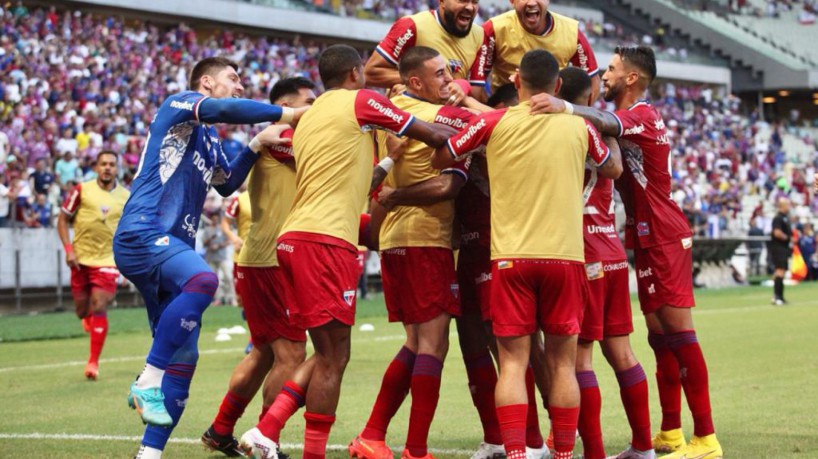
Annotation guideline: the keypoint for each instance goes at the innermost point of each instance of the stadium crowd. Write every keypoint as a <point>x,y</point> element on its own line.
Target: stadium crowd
<point>74,84</point>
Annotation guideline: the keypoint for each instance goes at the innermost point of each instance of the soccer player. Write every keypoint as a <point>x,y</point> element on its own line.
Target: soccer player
<point>781,249</point>
<point>153,245</point>
<point>447,29</point>
<point>333,148</point>
<point>95,208</point>
<point>238,213</point>
<point>278,347</point>
<point>529,25</point>
<point>658,232</point>
<point>608,316</point>
<point>416,256</point>
<point>538,278</point>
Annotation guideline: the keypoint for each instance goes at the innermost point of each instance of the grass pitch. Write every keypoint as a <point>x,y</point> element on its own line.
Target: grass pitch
<point>762,362</point>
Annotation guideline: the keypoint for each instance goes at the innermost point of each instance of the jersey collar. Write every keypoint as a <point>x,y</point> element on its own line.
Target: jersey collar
<point>412,96</point>
<point>638,103</point>
<point>549,24</point>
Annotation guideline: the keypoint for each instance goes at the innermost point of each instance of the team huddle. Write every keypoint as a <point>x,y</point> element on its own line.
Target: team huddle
<point>487,178</point>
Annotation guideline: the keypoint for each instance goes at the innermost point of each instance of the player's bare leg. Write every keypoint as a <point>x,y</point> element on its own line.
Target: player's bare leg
<point>511,396</point>
<point>96,316</point>
<point>289,355</point>
<point>563,397</point>
<point>536,378</point>
<point>680,337</point>
<point>633,390</point>
<point>82,307</point>
<point>474,339</point>
<point>537,360</point>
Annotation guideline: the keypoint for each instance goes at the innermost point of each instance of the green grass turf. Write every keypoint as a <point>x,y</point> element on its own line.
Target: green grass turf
<point>761,359</point>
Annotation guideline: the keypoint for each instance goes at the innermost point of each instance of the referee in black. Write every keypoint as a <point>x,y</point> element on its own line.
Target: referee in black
<point>781,249</point>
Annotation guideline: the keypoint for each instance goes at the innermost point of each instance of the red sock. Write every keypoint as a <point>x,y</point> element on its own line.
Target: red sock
<point>316,434</point>
<point>512,420</point>
<point>230,411</point>
<point>564,424</point>
<point>590,407</point>
<point>533,436</point>
<point>482,381</point>
<point>668,382</point>
<point>286,403</point>
<point>264,410</point>
<point>394,388</point>
<point>425,395</point>
<point>685,347</point>
<point>99,330</point>
<point>633,389</point>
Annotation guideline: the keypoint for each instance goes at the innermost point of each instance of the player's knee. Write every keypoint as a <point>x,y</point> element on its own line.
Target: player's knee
<point>206,283</point>
<point>187,355</point>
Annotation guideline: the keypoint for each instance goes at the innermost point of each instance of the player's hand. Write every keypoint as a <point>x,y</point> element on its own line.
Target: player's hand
<point>385,197</point>
<point>396,146</point>
<point>71,260</point>
<point>271,136</point>
<point>397,89</point>
<point>546,103</point>
<point>299,112</point>
<point>456,93</point>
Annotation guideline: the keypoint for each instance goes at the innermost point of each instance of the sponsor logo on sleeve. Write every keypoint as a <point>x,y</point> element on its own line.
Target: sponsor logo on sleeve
<point>643,273</point>
<point>179,105</point>
<point>401,42</point>
<point>583,57</point>
<point>635,130</point>
<point>473,129</point>
<point>456,123</point>
<point>385,111</point>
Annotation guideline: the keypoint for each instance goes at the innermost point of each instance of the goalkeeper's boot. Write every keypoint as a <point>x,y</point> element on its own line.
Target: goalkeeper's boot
<point>150,404</point>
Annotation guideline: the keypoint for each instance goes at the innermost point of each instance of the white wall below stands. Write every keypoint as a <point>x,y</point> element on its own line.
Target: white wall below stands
<point>41,258</point>
<point>362,30</point>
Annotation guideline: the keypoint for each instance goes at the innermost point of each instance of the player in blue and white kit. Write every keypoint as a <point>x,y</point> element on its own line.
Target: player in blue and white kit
<point>153,244</point>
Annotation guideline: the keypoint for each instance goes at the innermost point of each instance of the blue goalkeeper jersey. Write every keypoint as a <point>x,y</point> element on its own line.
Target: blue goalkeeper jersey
<point>182,159</point>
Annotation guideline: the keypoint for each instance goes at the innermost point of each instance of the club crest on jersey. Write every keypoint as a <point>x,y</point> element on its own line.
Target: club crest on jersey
<point>455,288</point>
<point>104,210</point>
<point>642,229</point>
<point>163,241</point>
<point>349,296</point>
<point>455,66</point>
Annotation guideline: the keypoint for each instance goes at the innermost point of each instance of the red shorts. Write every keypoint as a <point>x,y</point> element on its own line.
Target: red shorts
<point>608,312</point>
<point>322,272</point>
<point>266,305</point>
<point>86,279</point>
<point>419,284</point>
<point>531,293</point>
<point>474,277</point>
<point>664,275</point>
<point>237,280</point>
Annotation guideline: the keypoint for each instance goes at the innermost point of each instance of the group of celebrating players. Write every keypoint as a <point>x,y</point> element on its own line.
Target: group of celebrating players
<point>539,253</point>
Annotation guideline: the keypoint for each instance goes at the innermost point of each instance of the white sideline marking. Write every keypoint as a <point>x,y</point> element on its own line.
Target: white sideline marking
<point>76,363</point>
<point>188,441</point>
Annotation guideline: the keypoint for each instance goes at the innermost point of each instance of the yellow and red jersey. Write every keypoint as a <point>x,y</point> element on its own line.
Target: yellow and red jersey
<point>430,225</point>
<point>505,41</point>
<point>333,149</point>
<point>536,167</point>
<point>96,213</point>
<point>425,29</point>
<point>239,211</point>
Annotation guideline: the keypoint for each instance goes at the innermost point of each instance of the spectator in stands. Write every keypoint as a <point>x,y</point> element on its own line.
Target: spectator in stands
<point>215,244</point>
<point>806,243</point>
<point>755,248</point>
<point>41,178</point>
<point>67,169</point>
<point>5,204</point>
<point>39,213</point>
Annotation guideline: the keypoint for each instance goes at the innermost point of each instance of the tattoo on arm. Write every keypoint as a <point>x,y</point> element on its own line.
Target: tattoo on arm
<point>604,121</point>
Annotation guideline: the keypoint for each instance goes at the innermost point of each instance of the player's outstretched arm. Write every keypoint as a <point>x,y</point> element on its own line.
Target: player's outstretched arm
<point>612,168</point>
<point>239,166</point>
<point>433,134</point>
<point>246,111</point>
<point>437,189</point>
<point>604,121</point>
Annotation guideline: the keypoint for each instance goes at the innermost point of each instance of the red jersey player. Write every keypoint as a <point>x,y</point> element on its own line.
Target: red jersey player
<point>658,233</point>
<point>608,312</point>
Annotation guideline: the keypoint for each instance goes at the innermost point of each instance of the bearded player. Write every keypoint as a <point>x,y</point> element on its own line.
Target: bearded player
<point>95,208</point>
<point>658,232</point>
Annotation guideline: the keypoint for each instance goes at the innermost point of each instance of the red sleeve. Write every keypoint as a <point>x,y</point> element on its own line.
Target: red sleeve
<point>373,110</point>
<point>72,202</point>
<point>474,135</point>
<point>283,153</point>
<point>598,152</point>
<point>232,210</point>
<point>584,58</point>
<point>455,117</point>
<point>632,124</point>
<point>401,37</point>
<point>480,69</point>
